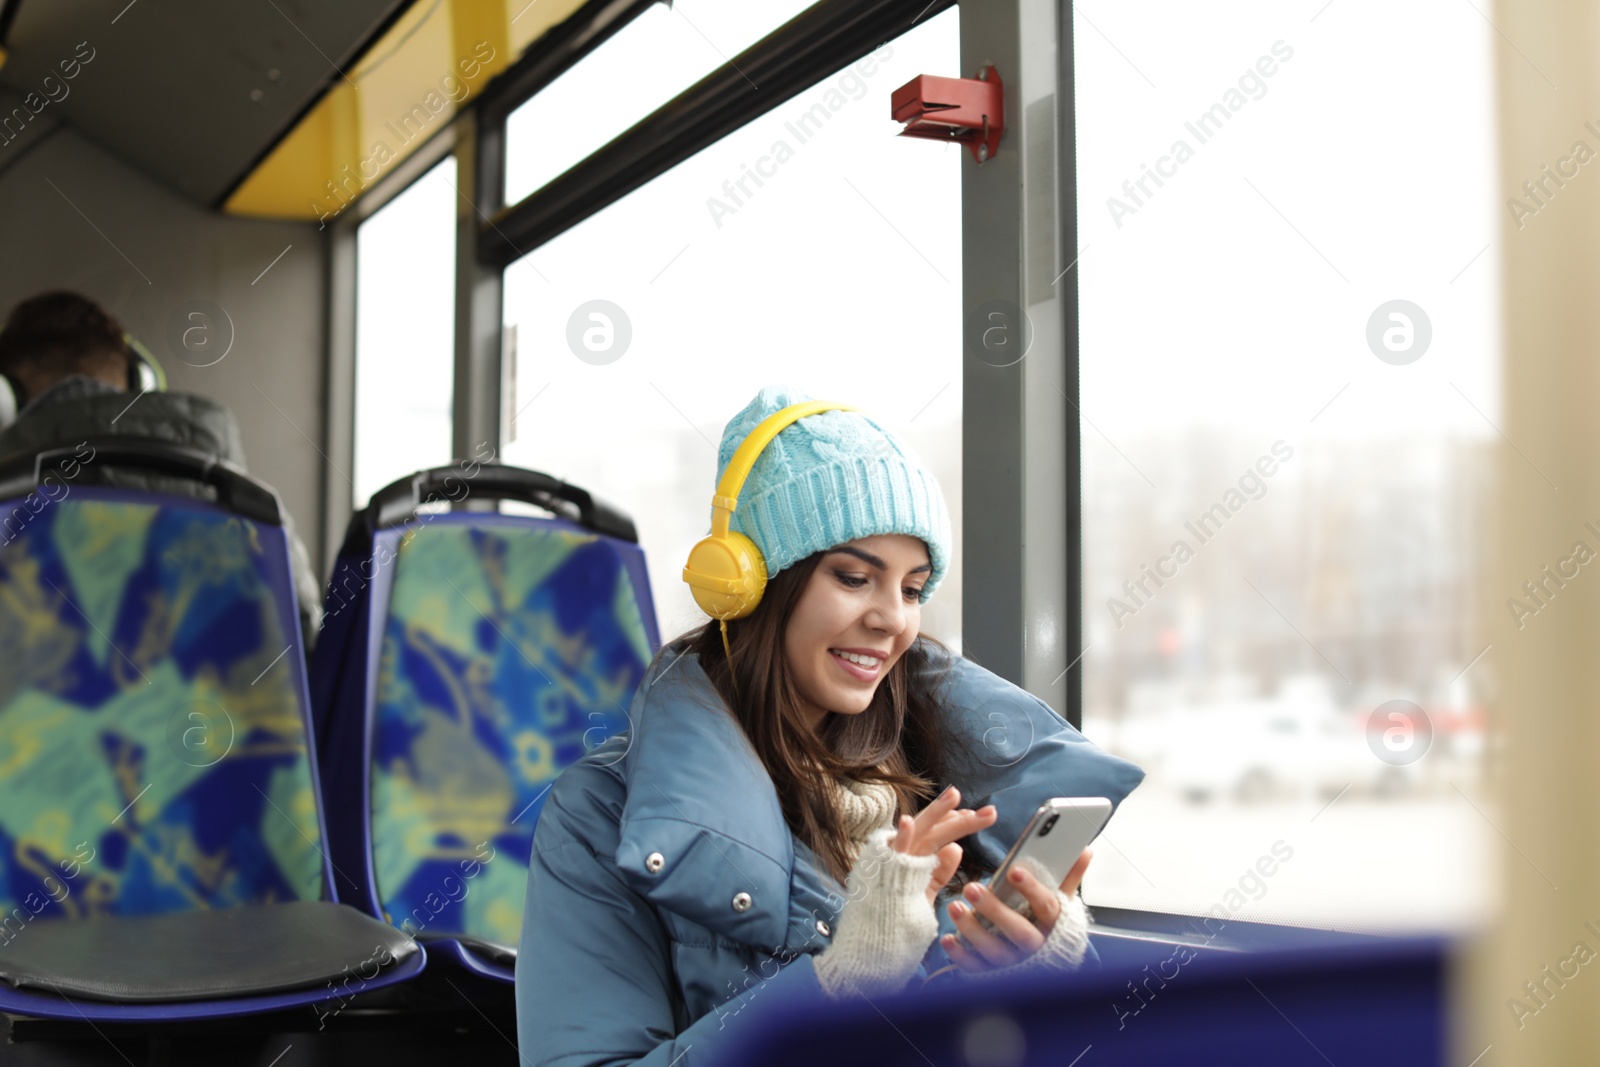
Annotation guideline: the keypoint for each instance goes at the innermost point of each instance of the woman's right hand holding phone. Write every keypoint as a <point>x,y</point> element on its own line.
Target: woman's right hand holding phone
<point>1017,938</point>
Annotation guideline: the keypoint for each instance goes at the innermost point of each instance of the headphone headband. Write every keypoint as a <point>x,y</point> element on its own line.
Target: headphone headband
<point>145,373</point>
<point>750,449</point>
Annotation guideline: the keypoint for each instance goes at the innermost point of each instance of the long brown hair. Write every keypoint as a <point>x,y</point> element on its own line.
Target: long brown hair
<point>900,739</point>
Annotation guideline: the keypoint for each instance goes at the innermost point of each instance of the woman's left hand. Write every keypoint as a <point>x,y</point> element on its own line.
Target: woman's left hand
<point>984,950</point>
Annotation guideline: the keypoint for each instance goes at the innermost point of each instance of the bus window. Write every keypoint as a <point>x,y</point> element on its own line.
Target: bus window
<point>811,247</point>
<point>1285,473</point>
<point>405,333</point>
<point>662,52</point>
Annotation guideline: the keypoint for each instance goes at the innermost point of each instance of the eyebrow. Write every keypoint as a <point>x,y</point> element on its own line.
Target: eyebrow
<point>875,561</point>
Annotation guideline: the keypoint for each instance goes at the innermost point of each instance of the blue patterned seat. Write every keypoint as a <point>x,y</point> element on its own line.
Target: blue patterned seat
<point>153,716</point>
<point>148,715</point>
<point>467,658</point>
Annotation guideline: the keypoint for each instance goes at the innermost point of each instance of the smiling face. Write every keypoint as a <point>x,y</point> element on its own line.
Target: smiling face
<point>863,598</point>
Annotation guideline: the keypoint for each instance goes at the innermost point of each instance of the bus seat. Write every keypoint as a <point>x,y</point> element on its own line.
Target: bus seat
<point>160,825</point>
<point>467,657</point>
<point>1378,1002</point>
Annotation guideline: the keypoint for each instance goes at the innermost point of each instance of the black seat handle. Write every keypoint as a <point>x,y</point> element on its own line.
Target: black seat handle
<point>236,490</point>
<point>400,499</point>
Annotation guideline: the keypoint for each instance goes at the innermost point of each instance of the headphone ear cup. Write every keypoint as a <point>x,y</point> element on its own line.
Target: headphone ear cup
<point>8,402</point>
<point>727,575</point>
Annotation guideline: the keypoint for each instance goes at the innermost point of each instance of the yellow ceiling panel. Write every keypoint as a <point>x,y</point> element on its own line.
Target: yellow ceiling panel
<point>409,85</point>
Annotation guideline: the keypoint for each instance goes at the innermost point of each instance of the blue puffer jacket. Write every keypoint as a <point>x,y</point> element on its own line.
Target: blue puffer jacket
<point>667,898</point>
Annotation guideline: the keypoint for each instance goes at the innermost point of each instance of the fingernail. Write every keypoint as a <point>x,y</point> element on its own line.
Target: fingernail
<point>1016,876</point>
<point>957,908</point>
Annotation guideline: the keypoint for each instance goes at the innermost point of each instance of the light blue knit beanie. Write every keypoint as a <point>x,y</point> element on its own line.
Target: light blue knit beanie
<point>831,478</point>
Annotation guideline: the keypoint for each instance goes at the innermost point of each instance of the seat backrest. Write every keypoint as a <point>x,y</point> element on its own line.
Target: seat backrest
<point>502,649</point>
<point>153,710</point>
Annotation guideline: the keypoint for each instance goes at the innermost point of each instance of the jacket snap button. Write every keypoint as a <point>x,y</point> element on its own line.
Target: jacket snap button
<point>822,928</point>
<point>741,902</point>
<point>654,862</point>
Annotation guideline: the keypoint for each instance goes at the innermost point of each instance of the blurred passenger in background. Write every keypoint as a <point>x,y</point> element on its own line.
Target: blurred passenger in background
<point>70,366</point>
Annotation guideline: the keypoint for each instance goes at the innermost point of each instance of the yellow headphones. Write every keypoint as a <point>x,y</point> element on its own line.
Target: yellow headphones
<point>725,571</point>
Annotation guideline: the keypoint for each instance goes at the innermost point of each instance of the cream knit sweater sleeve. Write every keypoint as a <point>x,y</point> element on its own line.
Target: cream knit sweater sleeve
<point>886,924</point>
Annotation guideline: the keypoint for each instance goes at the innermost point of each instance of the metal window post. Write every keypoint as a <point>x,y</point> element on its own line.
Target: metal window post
<point>1020,618</point>
<point>339,391</point>
<point>480,293</point>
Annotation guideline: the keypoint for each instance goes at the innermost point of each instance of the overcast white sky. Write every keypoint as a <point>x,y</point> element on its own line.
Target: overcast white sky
<point>1239,294</point>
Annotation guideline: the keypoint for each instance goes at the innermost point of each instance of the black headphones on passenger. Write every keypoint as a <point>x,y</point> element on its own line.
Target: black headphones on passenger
<point>145,375</point>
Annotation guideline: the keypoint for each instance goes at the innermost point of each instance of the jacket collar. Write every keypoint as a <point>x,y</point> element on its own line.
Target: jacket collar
<point>71,388</point>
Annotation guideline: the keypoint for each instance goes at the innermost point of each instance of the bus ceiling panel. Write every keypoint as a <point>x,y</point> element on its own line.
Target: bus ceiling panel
<point>191,91</point>
<point>393,103</point>
<point>820,41</point>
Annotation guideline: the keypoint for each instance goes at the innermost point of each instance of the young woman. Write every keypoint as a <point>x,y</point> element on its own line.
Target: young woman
<point>784,812</point>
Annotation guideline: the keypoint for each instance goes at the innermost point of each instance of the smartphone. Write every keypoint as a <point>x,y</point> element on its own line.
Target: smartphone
<point>1056,835</point>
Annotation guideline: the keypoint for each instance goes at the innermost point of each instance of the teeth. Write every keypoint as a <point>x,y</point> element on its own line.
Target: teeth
<point>865,661</point>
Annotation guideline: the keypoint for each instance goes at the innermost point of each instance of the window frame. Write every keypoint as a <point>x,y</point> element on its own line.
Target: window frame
<point>476,137</point>
<point>1021,529</point>
<point>816,44</point>
<point>1067,193</point>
